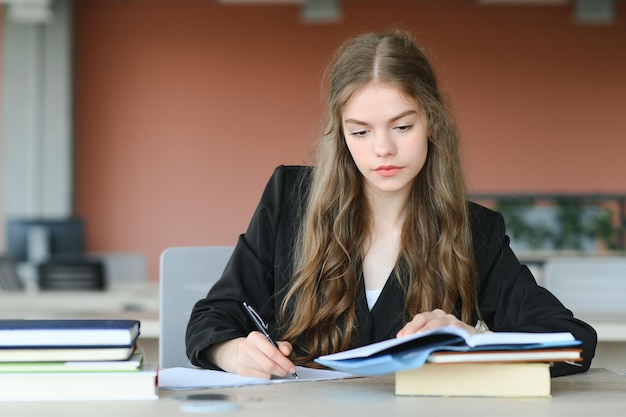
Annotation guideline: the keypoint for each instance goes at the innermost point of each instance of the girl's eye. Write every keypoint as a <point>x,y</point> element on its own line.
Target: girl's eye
<point>359,133</point>
<point>404,128</point>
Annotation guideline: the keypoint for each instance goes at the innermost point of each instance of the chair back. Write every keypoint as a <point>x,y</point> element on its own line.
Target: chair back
<point>186,275</point>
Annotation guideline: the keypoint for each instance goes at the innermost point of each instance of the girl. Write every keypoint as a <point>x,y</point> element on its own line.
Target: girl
<point>377,240</point>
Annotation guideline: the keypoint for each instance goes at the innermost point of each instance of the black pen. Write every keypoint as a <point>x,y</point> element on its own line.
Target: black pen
<point>260,324</point>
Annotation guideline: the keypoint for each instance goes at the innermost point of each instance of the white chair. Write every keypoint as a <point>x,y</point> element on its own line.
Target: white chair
<point>588,284</point>
<point>186,275</point>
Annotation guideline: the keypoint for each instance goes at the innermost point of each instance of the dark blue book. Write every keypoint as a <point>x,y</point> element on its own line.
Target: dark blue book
<point>67,333</point>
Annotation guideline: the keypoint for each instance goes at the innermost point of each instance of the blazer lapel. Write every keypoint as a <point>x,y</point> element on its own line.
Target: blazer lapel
<point>385,319</point>
<point>363,316</point>
<point>387,314</point>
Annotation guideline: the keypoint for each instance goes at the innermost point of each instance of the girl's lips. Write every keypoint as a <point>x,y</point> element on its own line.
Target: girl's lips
<point>388,171</point>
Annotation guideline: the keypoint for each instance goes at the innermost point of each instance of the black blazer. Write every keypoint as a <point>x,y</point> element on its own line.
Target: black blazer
<point>261,265</point>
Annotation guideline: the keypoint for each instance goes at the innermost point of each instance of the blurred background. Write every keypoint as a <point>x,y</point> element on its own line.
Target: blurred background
<point>157,123</point>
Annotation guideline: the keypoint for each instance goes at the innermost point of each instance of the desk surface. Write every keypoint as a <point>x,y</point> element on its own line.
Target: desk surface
<point>598,392</point>
<point>139,301</point>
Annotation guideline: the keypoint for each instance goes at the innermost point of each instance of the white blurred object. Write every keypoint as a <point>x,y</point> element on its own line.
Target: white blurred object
<point>29,11</point>
<point>593,284</point>
<point>38,244</point>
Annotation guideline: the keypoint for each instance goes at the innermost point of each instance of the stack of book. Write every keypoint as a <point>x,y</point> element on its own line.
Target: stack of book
<point>70,359</point>
<point>448,361</point>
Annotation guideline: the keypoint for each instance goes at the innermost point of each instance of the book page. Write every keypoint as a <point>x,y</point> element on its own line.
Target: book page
<point>456,333</point>
<point>446,336</point>
<point>178,378</point>
<point>519,338</point>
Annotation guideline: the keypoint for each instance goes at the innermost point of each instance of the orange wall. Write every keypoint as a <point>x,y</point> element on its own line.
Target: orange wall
<point>183,108</point>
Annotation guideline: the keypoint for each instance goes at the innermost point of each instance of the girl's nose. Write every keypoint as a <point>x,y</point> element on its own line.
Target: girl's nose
<point>384,145</point>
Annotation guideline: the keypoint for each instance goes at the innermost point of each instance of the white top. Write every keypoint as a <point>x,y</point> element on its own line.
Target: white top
<point>372,296</point>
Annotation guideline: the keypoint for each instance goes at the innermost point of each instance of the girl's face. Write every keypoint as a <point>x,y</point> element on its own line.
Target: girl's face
<point>387,135</point>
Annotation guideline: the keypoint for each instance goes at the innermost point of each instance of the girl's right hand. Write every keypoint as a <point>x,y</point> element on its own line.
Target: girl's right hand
<point>253,356</point>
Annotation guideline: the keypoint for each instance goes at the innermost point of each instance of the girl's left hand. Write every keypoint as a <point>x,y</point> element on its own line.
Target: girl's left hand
<point>431,320</point>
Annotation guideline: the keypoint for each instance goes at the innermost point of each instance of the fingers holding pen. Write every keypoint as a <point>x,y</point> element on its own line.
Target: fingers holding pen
<point>257,357</point>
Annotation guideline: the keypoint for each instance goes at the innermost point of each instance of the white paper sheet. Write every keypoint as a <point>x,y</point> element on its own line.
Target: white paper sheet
<point>176,379</point>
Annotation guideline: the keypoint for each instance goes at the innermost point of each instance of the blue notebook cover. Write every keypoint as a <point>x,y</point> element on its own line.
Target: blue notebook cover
<point>393,355</point>
<point>33,333</point>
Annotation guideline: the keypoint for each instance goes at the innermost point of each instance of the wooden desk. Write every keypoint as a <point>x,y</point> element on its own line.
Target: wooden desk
<point>133,300</point>
<point>598,392</point>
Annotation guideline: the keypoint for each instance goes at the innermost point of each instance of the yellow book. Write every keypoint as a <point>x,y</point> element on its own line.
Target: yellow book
<point>476,380</point>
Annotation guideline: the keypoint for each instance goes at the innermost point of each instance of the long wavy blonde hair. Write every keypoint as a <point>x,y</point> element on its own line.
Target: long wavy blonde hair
<point>435,267</point>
